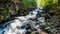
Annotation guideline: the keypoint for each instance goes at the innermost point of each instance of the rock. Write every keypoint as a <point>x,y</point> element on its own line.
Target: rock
<point>34,32</point>
<point>42,32</point>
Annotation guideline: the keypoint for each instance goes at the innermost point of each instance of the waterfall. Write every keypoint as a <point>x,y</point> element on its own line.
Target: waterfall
<point>20,24</point>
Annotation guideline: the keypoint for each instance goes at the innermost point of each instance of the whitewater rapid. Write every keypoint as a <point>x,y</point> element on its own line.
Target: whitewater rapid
<point>19,24</point>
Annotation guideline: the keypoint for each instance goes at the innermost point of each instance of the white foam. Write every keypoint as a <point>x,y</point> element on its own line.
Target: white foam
<point>22,20</point>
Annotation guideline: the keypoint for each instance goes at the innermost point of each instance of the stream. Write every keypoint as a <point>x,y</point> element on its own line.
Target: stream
<point>24,24</point>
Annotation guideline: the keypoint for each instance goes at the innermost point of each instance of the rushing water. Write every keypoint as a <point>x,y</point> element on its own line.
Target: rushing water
<point>24,24</point>
<point>20,24</point>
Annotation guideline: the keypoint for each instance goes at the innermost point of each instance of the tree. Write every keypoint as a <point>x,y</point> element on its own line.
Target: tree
<point>47,2</point>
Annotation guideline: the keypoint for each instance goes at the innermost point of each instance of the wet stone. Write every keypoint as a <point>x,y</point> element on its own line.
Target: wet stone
<point>28,32</point>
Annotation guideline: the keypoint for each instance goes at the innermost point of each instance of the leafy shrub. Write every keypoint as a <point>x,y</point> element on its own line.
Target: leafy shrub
<point>11,8</point>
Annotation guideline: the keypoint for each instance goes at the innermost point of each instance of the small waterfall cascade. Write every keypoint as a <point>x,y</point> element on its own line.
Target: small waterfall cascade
<point>20,24</point>
<point>24,24</point>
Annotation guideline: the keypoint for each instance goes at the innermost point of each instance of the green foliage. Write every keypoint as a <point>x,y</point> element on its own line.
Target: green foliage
<point>29,3</point>
<point>47,2</point>
<point>11,8</point>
